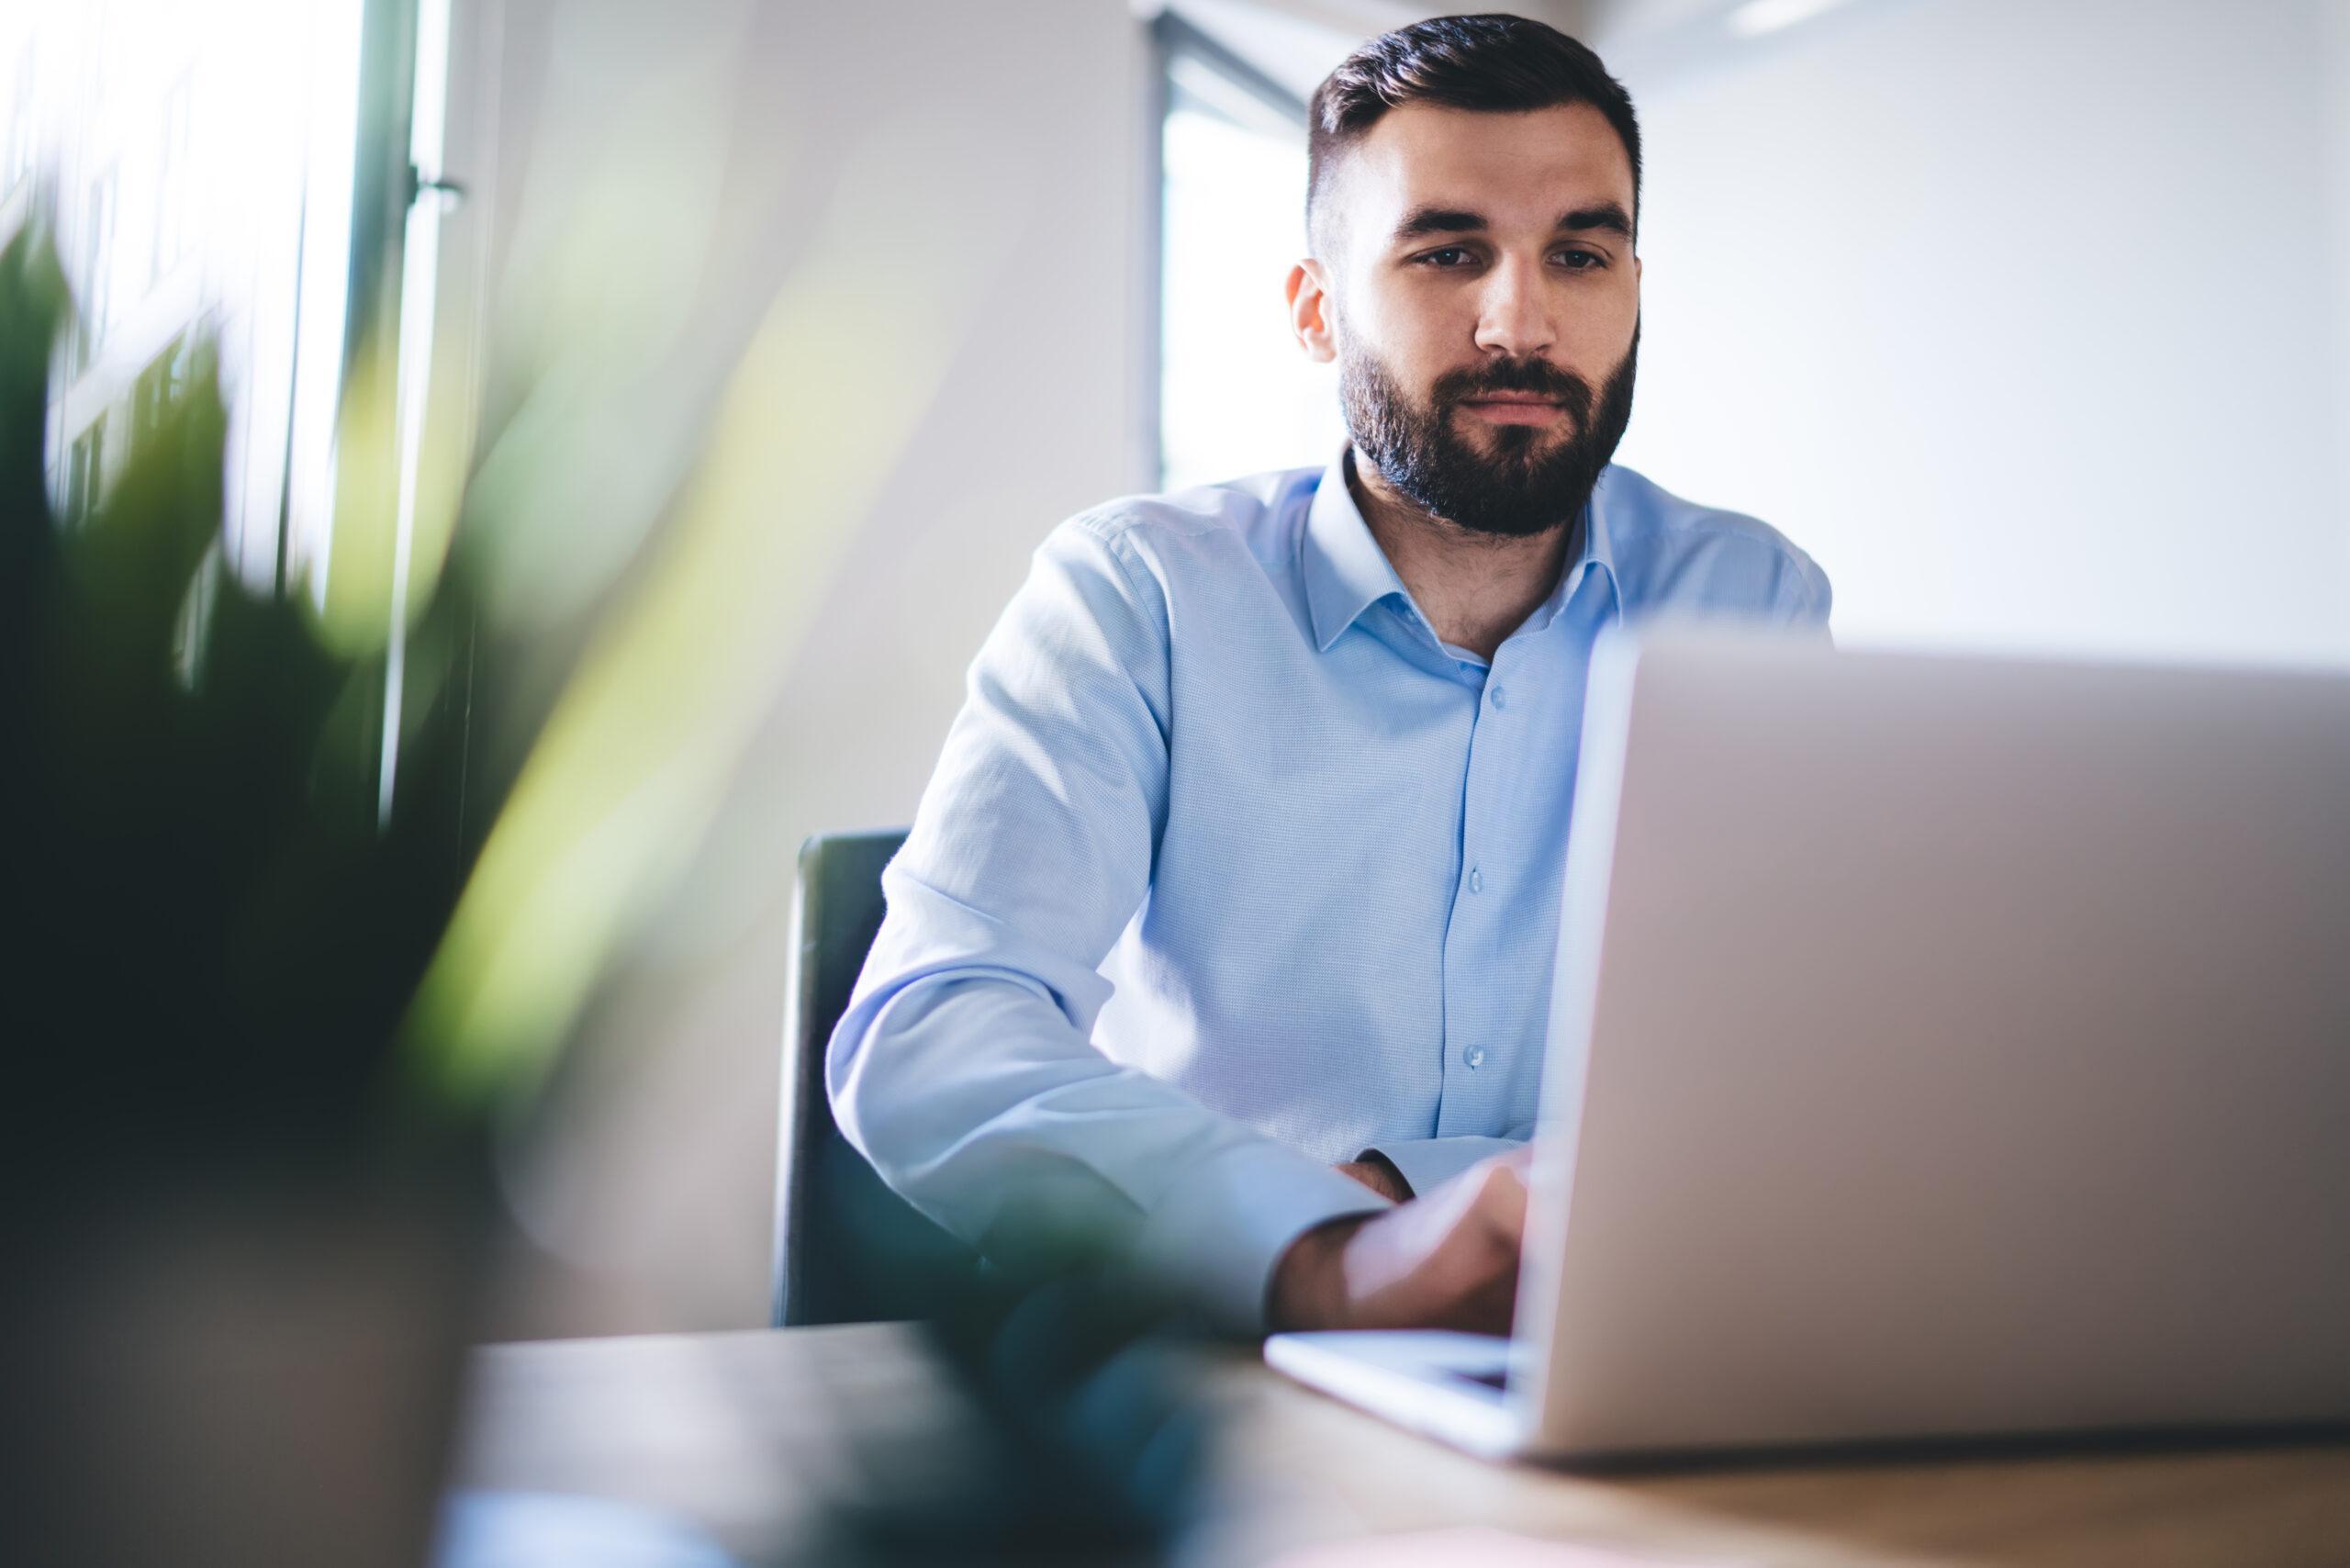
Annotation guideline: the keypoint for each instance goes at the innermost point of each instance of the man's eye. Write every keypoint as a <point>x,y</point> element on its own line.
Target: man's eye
<point>1449,257</point>
<point>1581,261</point>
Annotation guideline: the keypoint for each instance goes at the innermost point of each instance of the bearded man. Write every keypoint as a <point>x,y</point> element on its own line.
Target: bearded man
<point>1226,923</point>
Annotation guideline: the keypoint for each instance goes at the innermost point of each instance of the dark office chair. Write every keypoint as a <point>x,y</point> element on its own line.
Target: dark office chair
<point>847,1250</point>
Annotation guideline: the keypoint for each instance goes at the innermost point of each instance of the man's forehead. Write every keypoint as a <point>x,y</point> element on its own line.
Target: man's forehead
<point>1516,168</point>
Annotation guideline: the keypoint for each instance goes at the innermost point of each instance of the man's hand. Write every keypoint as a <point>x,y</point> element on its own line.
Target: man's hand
<point>1446,1260</point>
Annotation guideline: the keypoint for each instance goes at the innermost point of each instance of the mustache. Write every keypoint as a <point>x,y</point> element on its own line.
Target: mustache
<point>1538,377</point>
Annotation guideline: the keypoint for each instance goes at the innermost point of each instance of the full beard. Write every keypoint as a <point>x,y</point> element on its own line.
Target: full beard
<point>1532,481</point>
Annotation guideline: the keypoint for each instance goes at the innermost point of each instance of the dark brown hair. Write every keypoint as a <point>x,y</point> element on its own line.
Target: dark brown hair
<point>1494,63</point>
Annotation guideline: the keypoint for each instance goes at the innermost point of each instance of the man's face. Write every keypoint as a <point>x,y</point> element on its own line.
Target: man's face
<point>1482,301</point>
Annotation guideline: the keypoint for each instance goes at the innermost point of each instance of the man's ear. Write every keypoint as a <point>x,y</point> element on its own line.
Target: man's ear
<point>1309,310</point>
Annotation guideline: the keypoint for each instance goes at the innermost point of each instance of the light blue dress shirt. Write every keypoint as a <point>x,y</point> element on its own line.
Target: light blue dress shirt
<point>1231,870</point>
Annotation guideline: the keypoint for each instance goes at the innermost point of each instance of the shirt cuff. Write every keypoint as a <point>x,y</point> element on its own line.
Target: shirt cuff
<point>1215,1239</point>
<point>1427,1163</point>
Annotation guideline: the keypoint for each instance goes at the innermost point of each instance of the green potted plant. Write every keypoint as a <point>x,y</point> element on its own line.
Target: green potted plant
<point>242,1233</point>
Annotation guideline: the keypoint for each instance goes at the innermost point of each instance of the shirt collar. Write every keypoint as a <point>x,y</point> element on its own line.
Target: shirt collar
<point>1346,572</point>
<point>1598,554</point>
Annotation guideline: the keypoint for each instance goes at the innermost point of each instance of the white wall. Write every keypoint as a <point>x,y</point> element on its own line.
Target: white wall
<point>702,144</point>
<point>2031,322</point>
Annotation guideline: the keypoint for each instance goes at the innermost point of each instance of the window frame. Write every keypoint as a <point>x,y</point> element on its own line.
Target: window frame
<point>19,142</point>
<point>1174,39</point>
<point>164,381</point>
<point>100,225</point>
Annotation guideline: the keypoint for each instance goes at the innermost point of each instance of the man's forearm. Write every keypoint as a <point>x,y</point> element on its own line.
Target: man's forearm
<point>979,1099</point>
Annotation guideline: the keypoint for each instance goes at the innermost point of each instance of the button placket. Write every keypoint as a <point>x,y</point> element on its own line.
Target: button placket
<point>1456,1103</point>
<point>1472,1096</point>
<point>1472,1012</point>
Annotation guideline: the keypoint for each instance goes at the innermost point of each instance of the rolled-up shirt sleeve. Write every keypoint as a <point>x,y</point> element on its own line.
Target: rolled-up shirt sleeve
<point>964,1067</point>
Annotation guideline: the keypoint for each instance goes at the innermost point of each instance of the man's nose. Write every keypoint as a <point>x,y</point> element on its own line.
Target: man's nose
<point>1514,316</point>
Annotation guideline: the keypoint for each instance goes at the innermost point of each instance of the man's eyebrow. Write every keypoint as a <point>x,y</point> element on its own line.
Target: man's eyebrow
<point>1438,220</point>
<point>1606,215</point>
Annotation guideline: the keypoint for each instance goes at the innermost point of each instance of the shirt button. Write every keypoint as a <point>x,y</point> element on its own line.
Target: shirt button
<point>1476,880</point>
<point>1498,697</point>
<point>1475,1055</point>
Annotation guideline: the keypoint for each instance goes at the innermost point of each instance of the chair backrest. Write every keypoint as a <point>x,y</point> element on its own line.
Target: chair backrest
<point>847,1250</point>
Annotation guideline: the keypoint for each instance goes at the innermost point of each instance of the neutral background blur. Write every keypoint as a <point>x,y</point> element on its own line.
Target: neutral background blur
<point>654,1202</point>
<point>2029,318</point>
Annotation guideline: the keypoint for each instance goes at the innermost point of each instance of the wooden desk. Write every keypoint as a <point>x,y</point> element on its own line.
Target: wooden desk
<point>745,1434</point>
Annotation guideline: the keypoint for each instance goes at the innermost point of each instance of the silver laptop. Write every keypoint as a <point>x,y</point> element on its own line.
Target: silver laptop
<point>1942,1049</point>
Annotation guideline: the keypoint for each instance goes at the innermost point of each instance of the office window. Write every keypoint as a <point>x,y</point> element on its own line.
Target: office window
<point>84,471</point>
<point>174,172</point>
<point>1235,394</point>
<point>231,147</point>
